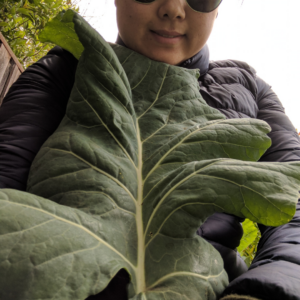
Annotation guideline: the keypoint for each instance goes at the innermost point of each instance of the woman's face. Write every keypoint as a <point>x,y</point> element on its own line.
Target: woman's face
<point>164,30</point>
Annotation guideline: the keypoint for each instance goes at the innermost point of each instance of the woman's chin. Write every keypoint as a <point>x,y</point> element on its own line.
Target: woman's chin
<point>165,57</point>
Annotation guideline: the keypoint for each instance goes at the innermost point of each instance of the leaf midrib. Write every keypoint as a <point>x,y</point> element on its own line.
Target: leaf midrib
<point>140,273</point>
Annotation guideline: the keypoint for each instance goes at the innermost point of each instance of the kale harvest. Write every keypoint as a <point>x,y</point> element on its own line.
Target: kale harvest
<point>136,166</point>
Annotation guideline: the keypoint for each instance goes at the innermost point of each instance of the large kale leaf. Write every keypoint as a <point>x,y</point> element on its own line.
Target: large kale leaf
<point>136,166</point>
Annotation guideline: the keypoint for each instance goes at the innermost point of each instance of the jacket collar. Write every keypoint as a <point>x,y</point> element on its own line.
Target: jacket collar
<point>198,61</point>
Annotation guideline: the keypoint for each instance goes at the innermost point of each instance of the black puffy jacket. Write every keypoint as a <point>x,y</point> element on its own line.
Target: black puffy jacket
<point>36,104</point>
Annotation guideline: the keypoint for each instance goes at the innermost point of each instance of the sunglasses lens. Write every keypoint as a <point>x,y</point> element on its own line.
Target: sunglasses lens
<point>204,6</point>
<point>145,1</point>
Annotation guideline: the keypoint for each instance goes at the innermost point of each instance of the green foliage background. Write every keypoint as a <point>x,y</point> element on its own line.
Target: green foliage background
<point>22,20</point>
<point>249,242</point>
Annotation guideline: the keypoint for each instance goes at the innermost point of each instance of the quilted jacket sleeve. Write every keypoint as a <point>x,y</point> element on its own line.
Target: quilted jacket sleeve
<point>31,111</point>
<point>285,140</point>
<point>275,271</point>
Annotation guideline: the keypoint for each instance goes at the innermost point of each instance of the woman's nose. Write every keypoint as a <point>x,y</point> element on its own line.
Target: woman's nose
<point>172,9</point>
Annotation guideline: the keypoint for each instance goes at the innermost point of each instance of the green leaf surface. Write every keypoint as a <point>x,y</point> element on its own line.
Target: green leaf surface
<point>136,166</point>
<point>25,12</point>
<point>60,31</point>
<point>250,234</point>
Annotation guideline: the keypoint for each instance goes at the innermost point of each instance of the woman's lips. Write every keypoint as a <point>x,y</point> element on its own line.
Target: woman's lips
<point>167,37</point>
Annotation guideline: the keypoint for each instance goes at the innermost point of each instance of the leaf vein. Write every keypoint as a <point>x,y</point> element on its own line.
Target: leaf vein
<point>100,240</point>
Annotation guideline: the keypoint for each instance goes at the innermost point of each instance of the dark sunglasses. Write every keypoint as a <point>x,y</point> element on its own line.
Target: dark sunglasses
<point>204,6</point>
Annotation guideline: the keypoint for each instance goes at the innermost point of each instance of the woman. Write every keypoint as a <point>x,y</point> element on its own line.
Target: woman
<point>174,32</point>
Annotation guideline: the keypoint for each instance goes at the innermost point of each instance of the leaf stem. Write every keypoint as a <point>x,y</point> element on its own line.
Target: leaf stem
<point>140,273</point>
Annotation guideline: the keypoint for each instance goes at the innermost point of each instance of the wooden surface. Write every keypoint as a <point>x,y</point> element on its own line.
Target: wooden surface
<point>12,55</point>
<point>4,62</point>
<point>13,75</point>
<point>10,68</point>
